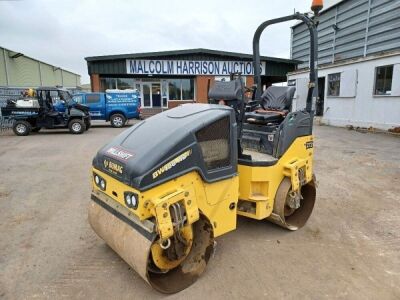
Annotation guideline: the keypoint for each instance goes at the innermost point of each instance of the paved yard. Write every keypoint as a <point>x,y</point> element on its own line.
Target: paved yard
<point>349,249</point>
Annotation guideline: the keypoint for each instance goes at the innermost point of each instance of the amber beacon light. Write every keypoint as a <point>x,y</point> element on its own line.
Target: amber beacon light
<point>317,5</point>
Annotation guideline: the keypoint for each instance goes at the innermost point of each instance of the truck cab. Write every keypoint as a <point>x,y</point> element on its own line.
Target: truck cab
<point>116,106</point>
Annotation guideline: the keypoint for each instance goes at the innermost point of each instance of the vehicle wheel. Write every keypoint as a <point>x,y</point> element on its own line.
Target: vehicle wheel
<point>36,129</point>
<point>76,126</point>
<point>117,120</point>
<point>22,128</point>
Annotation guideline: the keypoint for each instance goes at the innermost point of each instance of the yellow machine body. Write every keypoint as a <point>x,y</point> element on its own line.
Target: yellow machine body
<point>216,201</point>
<point>252,193</point>
<point>259,185</point>
<point>163,190</point>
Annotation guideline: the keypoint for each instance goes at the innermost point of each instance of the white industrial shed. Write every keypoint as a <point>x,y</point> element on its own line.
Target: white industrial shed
<point>359,64</point>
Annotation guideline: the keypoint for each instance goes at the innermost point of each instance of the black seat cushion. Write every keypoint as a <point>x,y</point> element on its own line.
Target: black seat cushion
<point>264,117</point>
<point>276,102</point>
<point>278,98</point>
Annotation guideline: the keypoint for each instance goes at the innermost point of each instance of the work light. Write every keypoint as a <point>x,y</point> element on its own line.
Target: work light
<point>103,184</point>
<point>131,200</point>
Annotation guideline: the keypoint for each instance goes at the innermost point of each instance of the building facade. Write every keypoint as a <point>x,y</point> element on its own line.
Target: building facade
<point>170,78</point>
<point>18,72</point>
<point>359,64</point>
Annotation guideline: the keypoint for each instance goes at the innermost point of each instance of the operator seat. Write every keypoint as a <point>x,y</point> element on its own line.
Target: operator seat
<point>275,104</point>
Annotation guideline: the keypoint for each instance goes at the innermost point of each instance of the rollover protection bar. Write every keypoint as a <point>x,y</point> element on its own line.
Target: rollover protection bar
<point>312,27</point>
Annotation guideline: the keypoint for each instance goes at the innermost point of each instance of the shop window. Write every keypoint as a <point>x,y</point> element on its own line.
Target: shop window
<point>187,89</point>
<point>334,84</point>
<point>214,144</point>
<point>146,95</point>
<point>137,86</point>
<point>94,98</point>
<point>125,83</point>
<point>174,89</point>
<point>383,80</point>
<point>181,89</point>
<point>108,83</point>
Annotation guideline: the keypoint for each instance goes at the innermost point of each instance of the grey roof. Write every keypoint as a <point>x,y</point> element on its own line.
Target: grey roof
<point>12,51</point>
<point>187,52</point>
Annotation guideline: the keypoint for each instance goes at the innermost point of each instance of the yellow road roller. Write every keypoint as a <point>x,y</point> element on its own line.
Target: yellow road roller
<point>167,187</point>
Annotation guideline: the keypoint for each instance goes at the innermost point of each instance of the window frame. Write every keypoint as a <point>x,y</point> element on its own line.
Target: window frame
<point>81,99</point>
<point>328,81</point>
<point>180,89</point>
<point>375,81</point>
<point>87,101</point>
<point>230,153</point>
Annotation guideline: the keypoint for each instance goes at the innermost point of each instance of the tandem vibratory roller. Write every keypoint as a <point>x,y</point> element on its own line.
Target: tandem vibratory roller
<point>166,188</point>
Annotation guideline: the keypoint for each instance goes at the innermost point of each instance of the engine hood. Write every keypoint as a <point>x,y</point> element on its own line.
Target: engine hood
<point>79,106</point>
<point>165,146</point>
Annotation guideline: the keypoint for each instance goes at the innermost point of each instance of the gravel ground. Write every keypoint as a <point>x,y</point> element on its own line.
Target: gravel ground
<point>350,248</point>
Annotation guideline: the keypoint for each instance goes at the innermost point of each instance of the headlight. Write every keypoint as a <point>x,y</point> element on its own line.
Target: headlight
<point>100,182</point>
<point>128,200</point>
<point>131,200</point>
<point>134,201</point>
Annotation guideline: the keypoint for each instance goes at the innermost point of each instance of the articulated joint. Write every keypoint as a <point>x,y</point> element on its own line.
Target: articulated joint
<point>174,211</point>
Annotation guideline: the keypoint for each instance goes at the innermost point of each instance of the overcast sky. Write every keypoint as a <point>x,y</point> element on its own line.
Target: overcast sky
<point>62,33</point>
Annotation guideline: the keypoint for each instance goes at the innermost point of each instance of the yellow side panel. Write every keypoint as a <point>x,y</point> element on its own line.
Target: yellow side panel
<point>218,201</point>
<point>259,184</point>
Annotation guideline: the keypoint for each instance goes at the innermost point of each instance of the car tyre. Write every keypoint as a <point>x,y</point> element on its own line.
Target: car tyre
<point>76,126</point>
<point>117,120</point>
<point>22,128</point>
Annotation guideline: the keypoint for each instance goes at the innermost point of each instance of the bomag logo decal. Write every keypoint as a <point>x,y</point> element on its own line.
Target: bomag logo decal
<point>113,167</point>
<point>172,163</point>
<point>309,145</point>
<point>119,153</point>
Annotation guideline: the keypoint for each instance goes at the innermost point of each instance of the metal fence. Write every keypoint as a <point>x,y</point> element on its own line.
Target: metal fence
<point>5,124</point>
<point>9,94</point>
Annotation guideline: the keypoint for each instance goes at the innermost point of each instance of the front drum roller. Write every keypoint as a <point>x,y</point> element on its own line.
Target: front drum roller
<point>288,217</point>
<point>148,258</point>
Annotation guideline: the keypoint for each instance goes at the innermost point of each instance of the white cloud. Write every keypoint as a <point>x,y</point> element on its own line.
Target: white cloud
<point>64,32</point>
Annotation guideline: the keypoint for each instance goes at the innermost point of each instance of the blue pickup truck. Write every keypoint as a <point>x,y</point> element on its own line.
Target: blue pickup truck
<point>116,106</point>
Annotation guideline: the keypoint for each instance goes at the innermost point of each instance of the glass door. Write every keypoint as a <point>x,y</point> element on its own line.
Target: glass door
<point>164,93</point>
<point>146,92</point>
<point>156,94</point>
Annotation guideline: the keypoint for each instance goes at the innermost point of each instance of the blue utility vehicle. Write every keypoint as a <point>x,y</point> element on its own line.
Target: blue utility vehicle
<point>116,106</point>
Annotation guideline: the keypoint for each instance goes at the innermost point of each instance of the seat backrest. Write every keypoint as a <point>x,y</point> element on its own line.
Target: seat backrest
<point>278,97</point>
<point>226,90</point>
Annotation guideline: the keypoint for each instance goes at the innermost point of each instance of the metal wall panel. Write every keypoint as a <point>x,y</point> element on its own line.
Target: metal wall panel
<point>25,72</point>
<point>3,75</point>
<point>351,29</point>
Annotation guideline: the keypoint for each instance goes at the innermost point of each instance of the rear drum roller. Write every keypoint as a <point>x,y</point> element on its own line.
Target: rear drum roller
<point>286,214</point>
<point>168,266</point>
